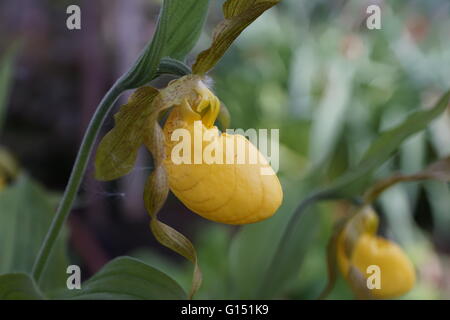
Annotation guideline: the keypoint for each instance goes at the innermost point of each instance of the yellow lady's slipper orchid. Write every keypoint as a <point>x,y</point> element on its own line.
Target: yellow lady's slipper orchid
<point>397,272</point>
<point>226,190</point>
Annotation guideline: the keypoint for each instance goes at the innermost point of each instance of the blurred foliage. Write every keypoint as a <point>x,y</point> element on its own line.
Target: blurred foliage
<point>18,286</point>
<point>26,213</point>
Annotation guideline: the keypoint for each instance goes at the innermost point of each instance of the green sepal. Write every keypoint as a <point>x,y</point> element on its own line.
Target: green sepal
<point>239,14</point>
<point>117,151</point>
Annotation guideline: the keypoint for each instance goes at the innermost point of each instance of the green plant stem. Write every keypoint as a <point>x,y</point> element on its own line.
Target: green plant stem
<point>167,66</point>
<point>76,177</point>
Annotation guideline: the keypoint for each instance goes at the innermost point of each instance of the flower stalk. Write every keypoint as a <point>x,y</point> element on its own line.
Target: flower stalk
<point>76,176</point>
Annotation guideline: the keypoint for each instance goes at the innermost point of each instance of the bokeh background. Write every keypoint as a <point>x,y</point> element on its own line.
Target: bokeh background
<point>310,68</point>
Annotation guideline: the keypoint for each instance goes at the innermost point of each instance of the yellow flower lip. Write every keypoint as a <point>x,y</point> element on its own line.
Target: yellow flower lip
<point>231,193</point>
<point>208,105</point>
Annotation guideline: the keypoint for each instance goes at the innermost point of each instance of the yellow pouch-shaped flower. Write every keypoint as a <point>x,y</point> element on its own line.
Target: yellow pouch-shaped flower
<point>397,272</point>
<point>222,187</point>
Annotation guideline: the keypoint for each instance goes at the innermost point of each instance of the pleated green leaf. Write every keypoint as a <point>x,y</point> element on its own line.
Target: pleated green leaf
<point>178,29</point>
<point>187,18</point>
<point>18,286</point>
<point>127,279</point>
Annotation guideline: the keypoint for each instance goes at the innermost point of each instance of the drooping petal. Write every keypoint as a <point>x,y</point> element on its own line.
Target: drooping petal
<point>117,152</point>
<point>239,14</point>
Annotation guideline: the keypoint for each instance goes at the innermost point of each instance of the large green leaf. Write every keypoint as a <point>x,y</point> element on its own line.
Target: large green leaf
<point>211,244</point>
<point>186,22</point>
<point>6,68</point>
<point>130,279</point>
<point>26,210</point>
<point>18,286</point>
<point>178,29</point>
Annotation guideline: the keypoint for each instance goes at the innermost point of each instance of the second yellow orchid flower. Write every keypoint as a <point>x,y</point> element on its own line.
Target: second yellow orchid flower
<point>396,272</point>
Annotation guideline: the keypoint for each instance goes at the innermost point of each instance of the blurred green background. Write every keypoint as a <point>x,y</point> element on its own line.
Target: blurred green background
<point>310,68</point>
